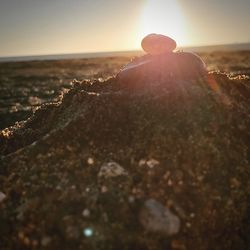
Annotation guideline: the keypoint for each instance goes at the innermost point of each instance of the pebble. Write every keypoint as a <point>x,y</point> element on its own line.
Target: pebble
<point>90,161</point>
<point>151,163</point>
<point>111,169</point>
<point>2,196</point>
<point>142,162</point>
<point>155,217</point>
<point>155,44</point>
<point>86,213</point>
<point>131,199</point>
<point>192,215</point>
<point>234,183</point>
<point>104,189</point>
<point>45,241</point>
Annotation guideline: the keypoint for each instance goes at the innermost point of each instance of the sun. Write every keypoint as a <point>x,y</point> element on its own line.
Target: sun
<point>163,17</point>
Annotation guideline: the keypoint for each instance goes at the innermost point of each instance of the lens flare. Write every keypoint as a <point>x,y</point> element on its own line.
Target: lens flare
<point>88,232</point>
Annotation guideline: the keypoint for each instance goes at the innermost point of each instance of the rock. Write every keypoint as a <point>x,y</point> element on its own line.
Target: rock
<point>104,189</point>
<point>111,169</point>
<point>151,163</point>
<point>190,66</point>
<point>172,66</point>
<point>90,161</point>
<point>161,63</point>
<point>138,63</point>
<point>155,44</point>
<point>86,213</point>
<point>45,241</point>
<point>156,218</point>
<point>2,196</point>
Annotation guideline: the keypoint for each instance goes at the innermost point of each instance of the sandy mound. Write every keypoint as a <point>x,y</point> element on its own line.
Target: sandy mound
<point>146,166</point>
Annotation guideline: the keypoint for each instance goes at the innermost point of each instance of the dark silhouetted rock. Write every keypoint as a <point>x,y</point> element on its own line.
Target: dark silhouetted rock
<point>155,44</point>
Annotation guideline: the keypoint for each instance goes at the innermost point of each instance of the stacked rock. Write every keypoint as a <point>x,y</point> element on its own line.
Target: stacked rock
<point>161,62</point>
<point>155,44</point>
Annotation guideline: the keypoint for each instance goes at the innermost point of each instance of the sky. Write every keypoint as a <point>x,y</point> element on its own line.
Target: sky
<point>43,27</point>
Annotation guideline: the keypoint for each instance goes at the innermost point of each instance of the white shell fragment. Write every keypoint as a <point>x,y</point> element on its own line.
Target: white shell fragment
<point>111,169</point>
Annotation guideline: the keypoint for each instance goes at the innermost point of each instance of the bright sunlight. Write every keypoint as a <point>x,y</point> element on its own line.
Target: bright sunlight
<point>163,17</point>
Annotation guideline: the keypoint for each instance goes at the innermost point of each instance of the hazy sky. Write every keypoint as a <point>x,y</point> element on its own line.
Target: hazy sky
<point>35,27</point>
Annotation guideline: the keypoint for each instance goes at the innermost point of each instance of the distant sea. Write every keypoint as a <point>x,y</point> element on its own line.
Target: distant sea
<point>226,47</point>
<point>69,56</point>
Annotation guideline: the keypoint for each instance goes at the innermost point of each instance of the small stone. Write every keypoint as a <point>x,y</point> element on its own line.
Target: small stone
<point>131,199</point>
<point>2,196</point>
<point>166,175</point>
<point>200,178</point>
<point>156,218</point>
<point>58,187</point>
<point>21,235</point>
<point>234,183</point>
<point>26,241</point>
<point>104,189</point>
<point>192,215</point>
<point>142,162</point>
<point>105,217</point>
<point>156,44</point>
<point>152,163</point>
<point>45,241</point>
<point>86,213</point>
<point>111,169</point>
<point>170,182</point>
<point>90,161</point>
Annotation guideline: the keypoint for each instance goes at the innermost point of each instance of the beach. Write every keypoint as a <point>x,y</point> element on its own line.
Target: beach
<point>94,163</point>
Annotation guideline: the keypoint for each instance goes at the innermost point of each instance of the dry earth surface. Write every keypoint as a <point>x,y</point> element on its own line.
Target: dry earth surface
<point>107,166</point>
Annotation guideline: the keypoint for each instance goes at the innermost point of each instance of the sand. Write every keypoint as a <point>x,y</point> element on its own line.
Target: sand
<point>79,173</point>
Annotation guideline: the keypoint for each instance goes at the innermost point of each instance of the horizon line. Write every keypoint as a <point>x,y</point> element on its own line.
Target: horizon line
<point>2,58</point>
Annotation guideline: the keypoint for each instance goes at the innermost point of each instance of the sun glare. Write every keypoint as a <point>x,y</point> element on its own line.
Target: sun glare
<point>164,17</point>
